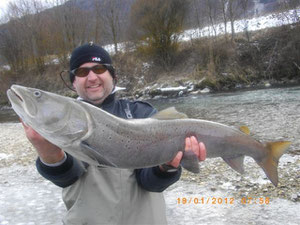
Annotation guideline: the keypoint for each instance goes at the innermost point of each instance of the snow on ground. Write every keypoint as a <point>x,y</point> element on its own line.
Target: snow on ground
<point>252,24</point>
<point>256,23</point>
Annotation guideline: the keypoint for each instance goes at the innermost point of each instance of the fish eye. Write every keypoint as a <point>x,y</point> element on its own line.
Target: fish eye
<point>37,94</point>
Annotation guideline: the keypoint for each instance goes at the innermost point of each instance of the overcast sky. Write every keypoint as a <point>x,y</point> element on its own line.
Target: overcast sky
<point>3,4</point>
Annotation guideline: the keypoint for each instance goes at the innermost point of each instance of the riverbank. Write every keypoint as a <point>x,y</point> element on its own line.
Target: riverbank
<point>170,88</point>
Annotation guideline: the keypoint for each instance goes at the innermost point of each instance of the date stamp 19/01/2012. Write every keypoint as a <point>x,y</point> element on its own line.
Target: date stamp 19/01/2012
<point>223,201</point>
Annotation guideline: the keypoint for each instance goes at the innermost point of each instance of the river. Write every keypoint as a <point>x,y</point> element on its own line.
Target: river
<point>218,195</point>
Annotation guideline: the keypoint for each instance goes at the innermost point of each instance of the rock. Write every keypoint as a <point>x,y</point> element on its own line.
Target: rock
<point>205,90</point>
<point>180,93</point>
<point>195,92</point>
<point>213,189</point>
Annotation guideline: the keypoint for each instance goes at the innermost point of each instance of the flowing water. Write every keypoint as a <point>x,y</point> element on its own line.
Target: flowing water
<point>219,195</point>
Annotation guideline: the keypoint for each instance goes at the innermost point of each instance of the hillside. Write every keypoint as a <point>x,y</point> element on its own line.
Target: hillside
<point>212,61</point>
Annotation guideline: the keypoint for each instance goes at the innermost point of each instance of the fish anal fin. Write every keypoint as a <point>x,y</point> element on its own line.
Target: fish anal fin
<point>169,114</point>
<point>270,163</point>
<point>245,129</point>
<point>190,162</point>
<point>236,163</point>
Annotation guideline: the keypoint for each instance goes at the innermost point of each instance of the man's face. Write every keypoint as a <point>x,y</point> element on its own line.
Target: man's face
<point>94,87</point>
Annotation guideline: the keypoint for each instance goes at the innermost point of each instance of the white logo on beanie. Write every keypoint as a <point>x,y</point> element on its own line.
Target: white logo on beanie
<point>97,59</point>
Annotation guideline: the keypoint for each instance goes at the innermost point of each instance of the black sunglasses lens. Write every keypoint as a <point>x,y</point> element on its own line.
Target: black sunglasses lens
<point>82,72</point>
<point>99,69</point>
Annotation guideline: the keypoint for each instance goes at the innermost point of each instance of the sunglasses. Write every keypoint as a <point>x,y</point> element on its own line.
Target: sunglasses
<point>84,71</point>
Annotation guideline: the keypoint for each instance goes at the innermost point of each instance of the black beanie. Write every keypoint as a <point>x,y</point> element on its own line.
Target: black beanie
<point>90,53</point>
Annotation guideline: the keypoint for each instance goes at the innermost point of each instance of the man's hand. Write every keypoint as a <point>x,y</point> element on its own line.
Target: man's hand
<point>48,152</point>
<point>191,144</point>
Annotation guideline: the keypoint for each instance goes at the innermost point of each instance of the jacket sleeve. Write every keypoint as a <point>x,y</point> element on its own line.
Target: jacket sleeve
<point>155,180</point>
<point>64,174</point>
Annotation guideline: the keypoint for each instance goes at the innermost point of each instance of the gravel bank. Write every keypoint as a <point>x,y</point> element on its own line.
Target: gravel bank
<point>14,146</point>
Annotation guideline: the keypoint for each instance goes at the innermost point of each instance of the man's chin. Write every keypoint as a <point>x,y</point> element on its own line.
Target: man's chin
<point>96,99</point>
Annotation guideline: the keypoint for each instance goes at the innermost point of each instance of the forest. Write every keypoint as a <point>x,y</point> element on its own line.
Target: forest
<point>36,38</point>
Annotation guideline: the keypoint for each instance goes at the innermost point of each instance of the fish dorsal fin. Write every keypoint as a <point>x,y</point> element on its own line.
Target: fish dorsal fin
<point>169,114</point>
<point>245,129</point>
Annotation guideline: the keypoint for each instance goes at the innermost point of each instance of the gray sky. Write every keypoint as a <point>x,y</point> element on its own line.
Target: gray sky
<point>3,4</point>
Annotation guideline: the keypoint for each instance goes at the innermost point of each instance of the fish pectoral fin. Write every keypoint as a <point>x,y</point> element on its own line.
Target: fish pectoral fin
<point>169,114</point>
<point>190,162</point>
<point>92,153</point>
<point>270,163</point>
<point>236,163</point>
<point>245,129</point>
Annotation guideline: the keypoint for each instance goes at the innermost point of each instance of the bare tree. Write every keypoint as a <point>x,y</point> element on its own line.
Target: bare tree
<point>224,7</point>
<point>234,11</point>
<point>112,21</point>
<point>245,6</point>
<point>286,5</point>
<point>212,14</point>
<point>72,26</point>
<point>98,21</point>
<point>11,46</point>
<point>24,31</point>
<point>158,23</point>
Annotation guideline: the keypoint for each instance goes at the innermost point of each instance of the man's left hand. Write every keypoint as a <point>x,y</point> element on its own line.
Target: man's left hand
<point>191,144</point>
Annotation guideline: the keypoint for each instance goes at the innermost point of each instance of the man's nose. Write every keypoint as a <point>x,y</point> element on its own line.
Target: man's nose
<point>91,75</point>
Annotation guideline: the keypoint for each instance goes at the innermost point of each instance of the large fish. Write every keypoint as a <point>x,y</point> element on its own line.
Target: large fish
<point>97,137</point>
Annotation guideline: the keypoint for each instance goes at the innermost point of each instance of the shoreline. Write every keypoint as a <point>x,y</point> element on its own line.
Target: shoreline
<point>191,87</point>
<point>150,92</point>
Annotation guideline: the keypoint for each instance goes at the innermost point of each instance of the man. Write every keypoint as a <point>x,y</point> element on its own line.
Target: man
<point>100,195</point>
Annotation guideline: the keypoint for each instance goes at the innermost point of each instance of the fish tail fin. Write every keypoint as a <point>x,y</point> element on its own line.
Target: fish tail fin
<point>190,162</point>
<point>270,163</point>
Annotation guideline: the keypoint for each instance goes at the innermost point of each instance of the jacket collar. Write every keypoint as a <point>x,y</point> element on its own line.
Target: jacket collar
<point>108,101</point>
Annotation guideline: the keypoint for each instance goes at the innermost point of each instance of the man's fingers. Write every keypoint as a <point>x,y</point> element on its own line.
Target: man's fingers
<point>192,144</point>
<point>202,152</point>
<point>188,144</point>
<point>195,146</point>
<point>176,161</point>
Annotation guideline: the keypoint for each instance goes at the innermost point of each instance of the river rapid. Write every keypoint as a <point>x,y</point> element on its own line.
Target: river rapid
<point>218,195</point>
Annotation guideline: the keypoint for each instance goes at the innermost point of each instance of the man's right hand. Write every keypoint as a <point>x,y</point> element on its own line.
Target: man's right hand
<point>48,152</point>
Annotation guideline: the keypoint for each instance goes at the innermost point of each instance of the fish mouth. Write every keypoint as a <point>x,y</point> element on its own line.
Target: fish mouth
<point>16,94</point>
<point>17,97</point>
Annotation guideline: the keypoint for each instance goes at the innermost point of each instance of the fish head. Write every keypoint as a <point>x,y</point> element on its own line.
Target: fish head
<point>57,118</point>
